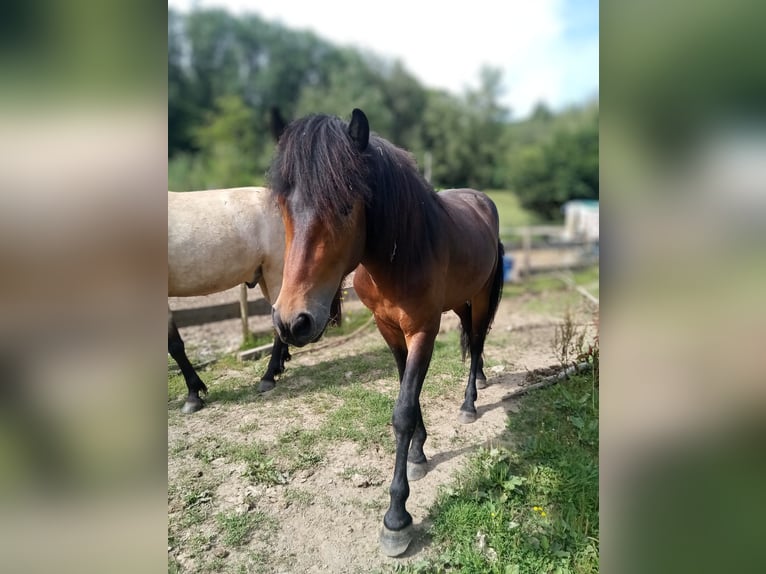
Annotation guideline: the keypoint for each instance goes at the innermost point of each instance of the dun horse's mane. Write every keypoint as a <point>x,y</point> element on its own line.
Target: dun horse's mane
<point>317,159</point>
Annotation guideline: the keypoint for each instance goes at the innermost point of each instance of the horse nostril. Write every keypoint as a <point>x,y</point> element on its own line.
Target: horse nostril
<point>303,325</point>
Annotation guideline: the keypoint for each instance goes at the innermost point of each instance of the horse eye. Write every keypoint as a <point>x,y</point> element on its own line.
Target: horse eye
<point>346,209</point>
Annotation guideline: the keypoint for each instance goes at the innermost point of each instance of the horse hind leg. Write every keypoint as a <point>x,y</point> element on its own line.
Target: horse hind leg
<point>481,378</point>
<point>474,321</point>
<point>417,463</point>
<point>276,366</point>
<point>467,413</point>
<point>194,384</point>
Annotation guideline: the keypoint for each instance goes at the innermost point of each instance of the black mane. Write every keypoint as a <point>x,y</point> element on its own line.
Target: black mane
<point>317,158</point>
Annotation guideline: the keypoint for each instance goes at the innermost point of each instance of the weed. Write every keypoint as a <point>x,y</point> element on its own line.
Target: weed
<point>568,340</point>
<point>297,450</point>
<point>299,496</point>
<point>209,448</point>
<point>198,543</point>
<point>255,563</point>
<point>194,498</point>
<point>263,470</point>
<point>236,529</point>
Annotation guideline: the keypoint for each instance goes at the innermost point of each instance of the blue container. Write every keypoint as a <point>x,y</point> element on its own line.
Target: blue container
<point>507,268</point>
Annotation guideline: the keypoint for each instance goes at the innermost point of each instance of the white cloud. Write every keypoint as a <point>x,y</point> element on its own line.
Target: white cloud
<point>445,44</point>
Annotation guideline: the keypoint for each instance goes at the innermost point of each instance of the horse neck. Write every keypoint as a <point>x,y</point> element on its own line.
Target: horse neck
<point>399,257</point>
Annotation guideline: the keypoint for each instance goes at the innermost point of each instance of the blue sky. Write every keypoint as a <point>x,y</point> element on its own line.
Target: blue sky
<point>547,49</point>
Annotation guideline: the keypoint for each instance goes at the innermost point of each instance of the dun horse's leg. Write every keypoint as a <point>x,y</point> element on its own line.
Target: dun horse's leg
<point>395,535</point>
<point>279,354</point>
<point>193,383</point>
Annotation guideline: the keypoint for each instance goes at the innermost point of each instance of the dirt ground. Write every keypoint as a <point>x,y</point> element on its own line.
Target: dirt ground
<point>328,518</point>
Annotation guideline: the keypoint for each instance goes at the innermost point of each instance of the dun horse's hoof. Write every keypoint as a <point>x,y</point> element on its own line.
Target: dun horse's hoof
<point>466,418</point>
<point>192,405</point>
<point>481,383</point>
<point>395,542</point>
<point>265,385</point>
<point>416,470</point>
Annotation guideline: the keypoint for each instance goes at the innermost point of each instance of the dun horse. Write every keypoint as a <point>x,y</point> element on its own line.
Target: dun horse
<point>218,239</point>
<point>352,200</point>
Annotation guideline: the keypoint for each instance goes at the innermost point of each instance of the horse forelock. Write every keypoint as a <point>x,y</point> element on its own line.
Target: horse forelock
<point>316,159</point>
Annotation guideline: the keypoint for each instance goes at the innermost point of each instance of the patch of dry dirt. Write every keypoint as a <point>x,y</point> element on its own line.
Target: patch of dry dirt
<point>328,519</point>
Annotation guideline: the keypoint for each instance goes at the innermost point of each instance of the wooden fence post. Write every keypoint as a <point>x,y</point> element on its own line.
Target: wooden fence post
<point>526,243</point>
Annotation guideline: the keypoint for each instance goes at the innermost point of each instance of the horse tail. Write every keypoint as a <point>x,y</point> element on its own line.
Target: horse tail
<point>336,311</point>
<point>465,342</point>
<point>497,285</point>
<point>495,293</point>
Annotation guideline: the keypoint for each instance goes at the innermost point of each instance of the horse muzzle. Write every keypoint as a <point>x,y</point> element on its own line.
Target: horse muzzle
<point>300,330</point>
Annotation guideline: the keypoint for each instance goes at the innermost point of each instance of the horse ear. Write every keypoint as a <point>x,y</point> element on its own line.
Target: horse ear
<point>359,129</point>
<point>277,123</point>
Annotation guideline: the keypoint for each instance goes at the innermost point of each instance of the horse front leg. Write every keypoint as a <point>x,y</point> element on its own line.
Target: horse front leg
<point>417,466</point>
<point>417,463</point>
<point>397,522</point>
<point>276,366</point>
<point>194,384</point>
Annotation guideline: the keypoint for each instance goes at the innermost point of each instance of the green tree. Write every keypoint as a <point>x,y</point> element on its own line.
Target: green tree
<point>225,72</point>
<point>486,130</point>
<point>231,151</point>
<point>564,168</point>
<point>351,82</point>
<point>441,133</point>
<point>182,109</point>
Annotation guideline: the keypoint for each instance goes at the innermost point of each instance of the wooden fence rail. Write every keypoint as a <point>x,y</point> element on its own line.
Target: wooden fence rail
<point>529,258</point>
<point>212,313</point>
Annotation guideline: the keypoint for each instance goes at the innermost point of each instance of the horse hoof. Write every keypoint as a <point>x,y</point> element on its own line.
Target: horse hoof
<point>466,418</point>
<point>395,542</point>
<point>416,470</point>
<point>192,406</point>
<point>481,383</point>
<point>265,385</point>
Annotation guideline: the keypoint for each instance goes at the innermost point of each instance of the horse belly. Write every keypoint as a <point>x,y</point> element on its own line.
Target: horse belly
<point>207,265</point>
<point>470,270</point>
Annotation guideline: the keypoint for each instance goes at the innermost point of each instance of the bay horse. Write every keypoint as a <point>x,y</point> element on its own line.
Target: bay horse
<point>218,239</point>
<point>352,200</point>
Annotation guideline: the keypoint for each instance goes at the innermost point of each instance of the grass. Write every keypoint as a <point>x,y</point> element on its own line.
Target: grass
<point>256,340</point>
<point>235,529</point>
<point>351,321</point>
<point>298,496</point>
<point>512,214</point>
<point>547,293</point>
<point>532,508</point>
